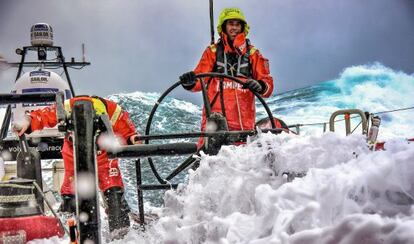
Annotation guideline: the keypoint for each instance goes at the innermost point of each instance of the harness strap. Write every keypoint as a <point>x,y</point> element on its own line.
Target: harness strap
<point>240,68</point>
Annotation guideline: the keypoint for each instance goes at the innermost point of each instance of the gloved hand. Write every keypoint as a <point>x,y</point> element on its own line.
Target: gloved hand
<point>188,80</point>
<point>20,127</point>
<point>254,85</point>
<point>134,140</point>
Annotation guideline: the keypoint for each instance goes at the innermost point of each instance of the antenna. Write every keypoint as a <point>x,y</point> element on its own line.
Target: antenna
<point>212,21</point>
<point>83,52</point>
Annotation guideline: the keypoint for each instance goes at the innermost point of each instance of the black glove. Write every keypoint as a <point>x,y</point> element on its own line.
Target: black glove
<point>188,80</point>
<point>254,85</point>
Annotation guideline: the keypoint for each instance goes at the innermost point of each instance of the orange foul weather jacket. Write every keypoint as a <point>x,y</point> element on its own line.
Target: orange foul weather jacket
<point>108,171</point>
<point>239,103</point>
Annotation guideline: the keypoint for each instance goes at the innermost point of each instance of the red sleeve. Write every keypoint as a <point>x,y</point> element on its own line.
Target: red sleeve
<point>205,65</point>
<point>42,118</point>
<point>124,127</point>
<point>260,70</point>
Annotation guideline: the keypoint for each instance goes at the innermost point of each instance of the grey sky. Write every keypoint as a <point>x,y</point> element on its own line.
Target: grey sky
<point>145,45</point>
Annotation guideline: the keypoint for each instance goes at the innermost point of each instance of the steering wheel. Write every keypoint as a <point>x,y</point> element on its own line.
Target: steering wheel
<point>207,106</point>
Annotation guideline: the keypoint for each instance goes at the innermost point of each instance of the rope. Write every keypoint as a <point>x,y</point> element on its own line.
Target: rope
<point>16,186</point>
<point>322,123</point>
<point>395,110</point>
<point>360,122</point>
<point>17,198</point>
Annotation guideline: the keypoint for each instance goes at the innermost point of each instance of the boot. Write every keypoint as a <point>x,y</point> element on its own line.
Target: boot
<point>68,204</point>
<point>118,210</point>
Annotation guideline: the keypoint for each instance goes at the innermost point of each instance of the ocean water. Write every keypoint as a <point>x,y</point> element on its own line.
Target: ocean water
<point>371,88</point>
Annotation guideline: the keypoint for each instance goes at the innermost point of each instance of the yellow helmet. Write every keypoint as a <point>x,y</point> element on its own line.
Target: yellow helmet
<point>232,13</point>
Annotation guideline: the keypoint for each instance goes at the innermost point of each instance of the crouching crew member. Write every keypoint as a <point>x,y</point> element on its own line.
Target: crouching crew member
<point>109,175</point>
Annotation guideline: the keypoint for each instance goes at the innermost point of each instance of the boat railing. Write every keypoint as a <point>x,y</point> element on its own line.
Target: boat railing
<point>347,117</point>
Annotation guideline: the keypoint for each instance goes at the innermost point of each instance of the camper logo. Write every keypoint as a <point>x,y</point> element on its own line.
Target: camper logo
<point>113,172</point>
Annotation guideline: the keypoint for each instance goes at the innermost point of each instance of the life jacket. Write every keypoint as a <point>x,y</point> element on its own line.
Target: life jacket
<point>100,105</point>
<point>231,63</point>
